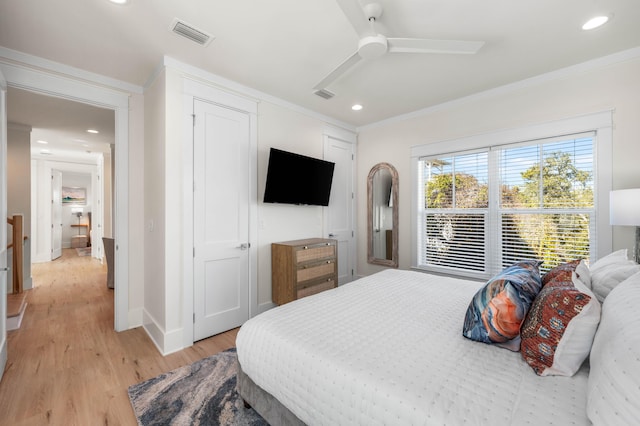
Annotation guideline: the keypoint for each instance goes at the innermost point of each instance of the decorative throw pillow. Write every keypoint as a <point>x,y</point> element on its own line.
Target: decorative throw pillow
<point>583,273</point>
<point>559,329</point>
<point>561,272</point>
<point>497,310</point>
<point>610,271</point>
<point>613,394</point>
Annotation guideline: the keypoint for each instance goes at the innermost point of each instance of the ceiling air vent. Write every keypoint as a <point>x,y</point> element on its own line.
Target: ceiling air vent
<point>324,93</point>
<point>189,31</point>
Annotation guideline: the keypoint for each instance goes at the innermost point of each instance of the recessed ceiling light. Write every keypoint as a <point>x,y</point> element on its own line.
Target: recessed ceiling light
<point>119,1</point>
<point>595,22</point>
<point>92,131</point>
<point>356,107</point>
<point>43,142</point>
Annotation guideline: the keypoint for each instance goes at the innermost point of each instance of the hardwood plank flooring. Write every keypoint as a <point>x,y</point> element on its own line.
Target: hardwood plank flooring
<point>66,365</point>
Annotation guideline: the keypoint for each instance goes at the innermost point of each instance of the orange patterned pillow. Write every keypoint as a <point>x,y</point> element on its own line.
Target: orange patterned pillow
<point>561,272</point>
<point>558,331</point>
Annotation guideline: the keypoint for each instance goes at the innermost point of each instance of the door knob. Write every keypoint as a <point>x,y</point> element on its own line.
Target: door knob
<point>332,235</point>
<point>244,246</point>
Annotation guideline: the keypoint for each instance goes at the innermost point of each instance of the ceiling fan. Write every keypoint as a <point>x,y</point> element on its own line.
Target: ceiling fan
<point>373,45</point>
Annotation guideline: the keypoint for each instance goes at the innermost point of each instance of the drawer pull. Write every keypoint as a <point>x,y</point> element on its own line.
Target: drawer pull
<point>329,262</point>
<point>305,247</point>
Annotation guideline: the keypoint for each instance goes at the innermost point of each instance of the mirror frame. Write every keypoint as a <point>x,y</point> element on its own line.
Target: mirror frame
<point>394,197</point>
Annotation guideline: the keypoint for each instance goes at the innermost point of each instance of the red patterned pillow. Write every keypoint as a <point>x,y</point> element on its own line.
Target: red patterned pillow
<point>561,272</point>
<point>559,328</point>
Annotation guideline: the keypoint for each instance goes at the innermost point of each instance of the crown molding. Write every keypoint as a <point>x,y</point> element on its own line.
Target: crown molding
<point>14,57</point>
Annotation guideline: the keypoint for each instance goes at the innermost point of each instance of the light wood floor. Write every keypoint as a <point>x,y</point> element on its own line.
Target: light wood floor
<point>66,365</point>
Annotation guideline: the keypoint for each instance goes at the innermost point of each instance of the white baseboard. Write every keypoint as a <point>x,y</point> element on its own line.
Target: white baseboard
<point>13,323</point>
<point>3,356</point>
<point>135,317</point>
<point>165,342</point>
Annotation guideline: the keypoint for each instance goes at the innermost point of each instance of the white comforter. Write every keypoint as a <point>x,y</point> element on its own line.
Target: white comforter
<point>388,349</point>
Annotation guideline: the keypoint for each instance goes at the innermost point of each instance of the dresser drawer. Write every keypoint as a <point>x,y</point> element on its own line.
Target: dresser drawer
<point>316,270</point>
<point>316,288</point>
<point>301,268</point>
<point>308,253</point>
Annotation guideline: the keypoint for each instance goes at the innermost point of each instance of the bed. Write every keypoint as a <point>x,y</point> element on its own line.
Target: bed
<point>388,349</point>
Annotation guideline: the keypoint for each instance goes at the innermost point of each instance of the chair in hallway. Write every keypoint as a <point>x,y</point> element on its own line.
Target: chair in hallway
<point>109,247</point>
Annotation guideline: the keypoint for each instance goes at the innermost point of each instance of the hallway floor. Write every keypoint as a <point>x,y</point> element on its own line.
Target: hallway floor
<point>66,365</point>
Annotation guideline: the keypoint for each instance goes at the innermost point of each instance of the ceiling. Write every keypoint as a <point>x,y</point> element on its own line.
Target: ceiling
<point>59,127</point>
<point>285,47</point>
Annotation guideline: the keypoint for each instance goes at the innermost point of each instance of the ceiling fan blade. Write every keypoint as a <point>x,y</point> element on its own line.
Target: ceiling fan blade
<point>421,45</point>
<point>354,13</point>
<point>340,69</point>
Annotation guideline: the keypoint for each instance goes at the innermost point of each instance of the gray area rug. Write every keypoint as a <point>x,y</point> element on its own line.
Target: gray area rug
<point>203,393</point>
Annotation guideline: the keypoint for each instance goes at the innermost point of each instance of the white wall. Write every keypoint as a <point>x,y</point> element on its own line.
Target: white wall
<point>172,206</point>
<point>588,89</point>
<point>154,319</point>
<point>292,131</point>
<point>19,193</point>
<point>107,201</point>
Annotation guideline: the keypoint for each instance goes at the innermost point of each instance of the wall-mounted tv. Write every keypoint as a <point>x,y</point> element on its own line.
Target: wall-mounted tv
<point>298,179</point>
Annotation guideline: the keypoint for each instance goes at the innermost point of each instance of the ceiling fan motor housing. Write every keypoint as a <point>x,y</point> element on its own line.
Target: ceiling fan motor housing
<point>372,47</point>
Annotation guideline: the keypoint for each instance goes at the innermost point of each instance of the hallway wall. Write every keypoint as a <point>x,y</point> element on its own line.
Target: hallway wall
<point>19,193</point>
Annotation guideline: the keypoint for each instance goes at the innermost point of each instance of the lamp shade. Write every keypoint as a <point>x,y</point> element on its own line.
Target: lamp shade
<point>624,207</point>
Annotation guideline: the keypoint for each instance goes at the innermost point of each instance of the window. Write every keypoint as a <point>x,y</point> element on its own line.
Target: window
<point>547,206</point>
<point>456,206</point>
<point>479,211</point>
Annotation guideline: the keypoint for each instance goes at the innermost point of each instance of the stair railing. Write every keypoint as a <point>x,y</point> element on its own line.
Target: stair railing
<point>18,252</point>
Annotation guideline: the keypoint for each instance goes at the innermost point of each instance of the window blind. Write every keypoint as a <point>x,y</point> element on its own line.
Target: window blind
<point>486,209</point>
<point>455,211</point>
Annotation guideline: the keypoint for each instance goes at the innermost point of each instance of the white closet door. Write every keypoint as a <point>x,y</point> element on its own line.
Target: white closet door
<point>221,219</point>
<point>339,214</point>
<point>56,214</point>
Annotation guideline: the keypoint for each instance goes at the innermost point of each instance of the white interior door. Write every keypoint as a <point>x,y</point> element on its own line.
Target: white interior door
<point>3,225</point>
<point>97,213</point>
<point>221,219</point>
<point>339,214</point>
<point>56,214</point>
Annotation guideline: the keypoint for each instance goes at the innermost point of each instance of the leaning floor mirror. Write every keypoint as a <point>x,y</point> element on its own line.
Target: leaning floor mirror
<point>382,215</point>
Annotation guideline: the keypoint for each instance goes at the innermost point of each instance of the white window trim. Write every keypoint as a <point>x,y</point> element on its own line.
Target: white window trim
<point>599,122</point>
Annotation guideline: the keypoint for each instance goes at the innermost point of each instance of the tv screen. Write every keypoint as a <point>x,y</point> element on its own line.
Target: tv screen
<point>297,179</point>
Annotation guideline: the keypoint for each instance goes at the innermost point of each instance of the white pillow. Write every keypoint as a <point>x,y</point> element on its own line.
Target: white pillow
<point>610,271</point>
<point>613,390</point>
<point>582,270</point>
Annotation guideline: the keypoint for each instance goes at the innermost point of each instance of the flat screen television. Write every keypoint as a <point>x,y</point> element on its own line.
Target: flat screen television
<point>298,179</point>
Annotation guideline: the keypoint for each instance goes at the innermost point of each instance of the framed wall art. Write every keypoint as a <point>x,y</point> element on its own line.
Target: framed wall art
<point>74,195</point>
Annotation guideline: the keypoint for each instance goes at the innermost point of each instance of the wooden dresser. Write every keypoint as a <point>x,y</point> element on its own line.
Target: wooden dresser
<point>303,267</point>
